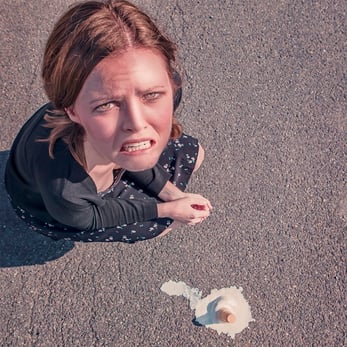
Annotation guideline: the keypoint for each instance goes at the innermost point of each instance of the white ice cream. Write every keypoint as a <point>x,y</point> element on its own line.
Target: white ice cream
<point>230,299</point>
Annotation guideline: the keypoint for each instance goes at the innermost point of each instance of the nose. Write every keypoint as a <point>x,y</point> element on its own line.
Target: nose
<point>133,116</point>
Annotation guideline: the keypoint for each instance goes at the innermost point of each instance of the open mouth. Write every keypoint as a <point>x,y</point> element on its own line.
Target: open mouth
<point>136,146</point>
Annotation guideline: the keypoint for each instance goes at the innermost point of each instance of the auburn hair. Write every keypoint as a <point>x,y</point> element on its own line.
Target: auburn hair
<point>83,36</point>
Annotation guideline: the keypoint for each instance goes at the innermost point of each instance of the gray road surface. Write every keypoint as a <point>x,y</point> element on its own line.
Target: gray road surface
<point>265,93</point>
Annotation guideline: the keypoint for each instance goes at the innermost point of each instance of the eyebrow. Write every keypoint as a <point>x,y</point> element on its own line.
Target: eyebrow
<point>151,89</point>
<point>101,99</point>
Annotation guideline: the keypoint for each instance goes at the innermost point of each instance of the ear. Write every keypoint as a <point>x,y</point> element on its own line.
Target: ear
<point>177,98</point>
<point>72,114</point>
<point>178,94</point>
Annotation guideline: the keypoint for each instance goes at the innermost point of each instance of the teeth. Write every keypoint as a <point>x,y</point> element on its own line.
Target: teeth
<point>131,147</point>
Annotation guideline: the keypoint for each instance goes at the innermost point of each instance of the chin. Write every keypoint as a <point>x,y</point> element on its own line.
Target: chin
<point>140,165</point>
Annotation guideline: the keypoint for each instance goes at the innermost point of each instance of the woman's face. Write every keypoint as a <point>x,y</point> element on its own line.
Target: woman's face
<point>125,107</point>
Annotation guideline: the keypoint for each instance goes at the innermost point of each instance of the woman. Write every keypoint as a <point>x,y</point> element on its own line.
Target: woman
<point>105,159</point>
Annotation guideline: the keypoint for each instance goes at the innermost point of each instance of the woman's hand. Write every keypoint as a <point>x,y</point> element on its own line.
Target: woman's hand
<point>190,209</point>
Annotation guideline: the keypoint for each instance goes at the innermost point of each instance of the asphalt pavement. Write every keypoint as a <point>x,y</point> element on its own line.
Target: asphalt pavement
<point>265,92</point>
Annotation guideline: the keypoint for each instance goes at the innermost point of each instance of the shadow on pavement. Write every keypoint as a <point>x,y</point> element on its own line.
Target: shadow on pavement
<point>19,245</point>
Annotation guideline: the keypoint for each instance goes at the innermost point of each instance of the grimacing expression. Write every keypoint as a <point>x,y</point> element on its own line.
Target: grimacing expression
<point>126,107</point>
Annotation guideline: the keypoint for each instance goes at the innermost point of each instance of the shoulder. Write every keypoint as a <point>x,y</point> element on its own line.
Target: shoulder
<point>33,149</point>
<point>32,130</point>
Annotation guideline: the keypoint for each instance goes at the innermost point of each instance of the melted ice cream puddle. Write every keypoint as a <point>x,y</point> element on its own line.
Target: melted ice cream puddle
<point>224,310</point>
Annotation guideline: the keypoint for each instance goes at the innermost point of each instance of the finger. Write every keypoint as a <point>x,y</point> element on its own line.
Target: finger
<point>200,214</point>
<point>202,219</point>
<point>206,203</point>
<point>198,218</point>
<point>194,221</point>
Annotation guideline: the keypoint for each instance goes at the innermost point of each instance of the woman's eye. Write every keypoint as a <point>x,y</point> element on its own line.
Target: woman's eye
<point>105,107</point>
<point>152,96</point>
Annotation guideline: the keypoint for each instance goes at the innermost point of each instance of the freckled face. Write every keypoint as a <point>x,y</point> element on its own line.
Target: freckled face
<point>125,107</point>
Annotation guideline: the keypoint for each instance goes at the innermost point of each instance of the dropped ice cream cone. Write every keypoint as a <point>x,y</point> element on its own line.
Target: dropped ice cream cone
<point>224,310</point>
<point>225,316</point>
